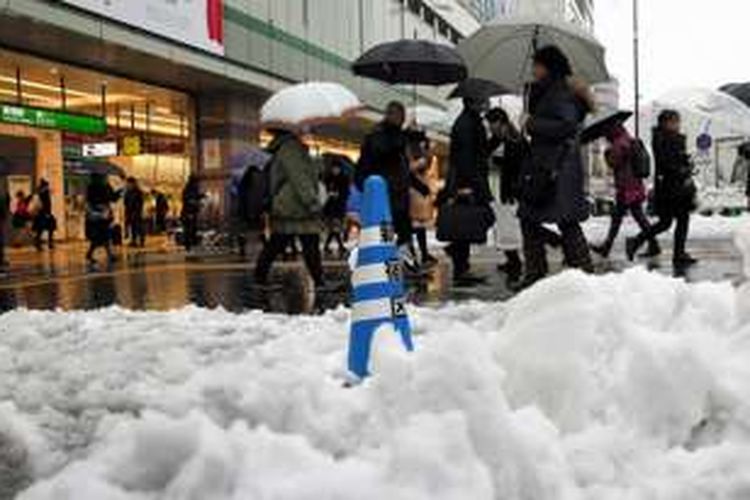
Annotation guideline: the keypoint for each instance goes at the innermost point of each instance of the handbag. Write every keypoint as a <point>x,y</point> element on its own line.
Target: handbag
<point>463,220</point>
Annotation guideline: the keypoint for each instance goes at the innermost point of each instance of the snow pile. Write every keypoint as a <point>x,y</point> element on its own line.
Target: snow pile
<point>632,386</point>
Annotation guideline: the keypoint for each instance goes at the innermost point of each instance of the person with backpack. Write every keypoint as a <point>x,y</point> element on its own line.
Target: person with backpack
<point>631,164</point>
<point>675,189</point>
<point>296,210</point>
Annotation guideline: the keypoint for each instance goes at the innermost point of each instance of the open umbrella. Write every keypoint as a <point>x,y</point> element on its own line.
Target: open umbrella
<point>309,104</point>
<point>740,91</point>
<point>502,50</point>
<point>598,125</point>
<point>419,62</point>
<point>478,88</point>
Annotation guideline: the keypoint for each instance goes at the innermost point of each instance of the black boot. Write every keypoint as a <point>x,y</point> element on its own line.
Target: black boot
<point>512,266</point>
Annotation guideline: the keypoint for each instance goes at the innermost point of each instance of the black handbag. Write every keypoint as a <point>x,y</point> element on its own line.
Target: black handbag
<point>463,220</point>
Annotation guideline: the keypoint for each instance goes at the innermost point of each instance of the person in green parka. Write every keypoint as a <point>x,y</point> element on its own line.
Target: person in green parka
<point>296,210</point>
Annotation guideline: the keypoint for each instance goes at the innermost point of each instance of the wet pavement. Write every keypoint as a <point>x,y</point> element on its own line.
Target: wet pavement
<point>164,278</point>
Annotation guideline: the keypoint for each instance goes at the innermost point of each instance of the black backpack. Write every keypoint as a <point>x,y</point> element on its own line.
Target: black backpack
<point>640,160</point>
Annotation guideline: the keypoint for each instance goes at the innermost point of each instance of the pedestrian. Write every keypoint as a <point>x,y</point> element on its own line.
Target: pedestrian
<point>99,216</point>
<point>630,190</point>
<point>192,200</point>
<point>161,210</point>
<point>295,205</point>
<point>552,179</point>
<point>674,189</point>
<point>383,153</point>
<point>467,192</point>
<point>44,220</point>
<point>336,181</point>
<point>21,214</point>
<point>133,201</point>
<point>421,199</point>
<point>254,203</point>
<point>513,149</point>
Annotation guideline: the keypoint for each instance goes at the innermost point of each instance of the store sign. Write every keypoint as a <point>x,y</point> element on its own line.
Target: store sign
<point>50,118</point>
<point>131,145</point>
<point>99,149</point>
<point>199,23</point>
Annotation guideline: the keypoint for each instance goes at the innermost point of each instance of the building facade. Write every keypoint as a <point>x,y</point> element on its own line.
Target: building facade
<point>160,89</point>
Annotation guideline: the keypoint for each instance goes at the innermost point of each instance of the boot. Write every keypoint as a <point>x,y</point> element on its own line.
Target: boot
<point>654,250</point>
<point>602,250</point>
<point>512,265</point>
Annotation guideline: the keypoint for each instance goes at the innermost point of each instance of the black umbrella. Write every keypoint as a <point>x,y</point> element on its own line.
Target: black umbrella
<point>478,88</point>
<point>418,62</point>
<point>599,125</point>
<point>740,91</point>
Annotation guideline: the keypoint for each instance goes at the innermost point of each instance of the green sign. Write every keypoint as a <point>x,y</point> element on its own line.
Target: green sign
<point>50,118</point>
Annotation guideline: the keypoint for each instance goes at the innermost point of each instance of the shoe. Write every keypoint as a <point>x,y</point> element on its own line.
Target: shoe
<point>467,278</point>
<point>631,247</point>
<point>523,284</point>
<point>654,250</point>
<point>684,260</point>
<point>601,250</point>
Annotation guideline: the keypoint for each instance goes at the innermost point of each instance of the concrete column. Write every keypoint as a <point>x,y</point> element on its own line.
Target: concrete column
<point>227,125</point>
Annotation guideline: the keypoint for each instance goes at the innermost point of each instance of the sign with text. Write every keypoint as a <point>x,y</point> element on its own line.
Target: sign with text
<point>51,118</point>
<point>99,149</point>
<point>199,23</point>
<point>131,145</point>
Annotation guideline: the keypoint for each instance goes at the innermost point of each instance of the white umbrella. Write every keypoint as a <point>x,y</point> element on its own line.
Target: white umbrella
<point>309,104</point>
<point>502,50</point>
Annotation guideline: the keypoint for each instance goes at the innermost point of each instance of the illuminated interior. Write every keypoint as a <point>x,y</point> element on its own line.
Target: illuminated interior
<point>161,120</point>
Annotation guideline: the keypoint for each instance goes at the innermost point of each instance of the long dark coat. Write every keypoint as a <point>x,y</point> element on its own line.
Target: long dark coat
<point>674,189</point>
<point>383,153</point>
<point>556,113</point>
<point>469,157</point>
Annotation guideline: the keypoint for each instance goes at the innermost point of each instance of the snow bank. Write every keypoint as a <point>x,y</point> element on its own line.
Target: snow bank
<point>630,386</point>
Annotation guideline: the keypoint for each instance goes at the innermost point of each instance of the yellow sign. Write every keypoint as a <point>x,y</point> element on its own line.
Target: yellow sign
<point>131,145</point>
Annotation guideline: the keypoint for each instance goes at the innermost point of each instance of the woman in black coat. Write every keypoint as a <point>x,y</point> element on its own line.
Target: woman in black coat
<point>468,179</point>
<point>552,179</point>
<point>674,188</point>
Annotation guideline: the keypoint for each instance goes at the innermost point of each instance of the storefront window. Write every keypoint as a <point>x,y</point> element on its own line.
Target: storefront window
<point>148,131</point>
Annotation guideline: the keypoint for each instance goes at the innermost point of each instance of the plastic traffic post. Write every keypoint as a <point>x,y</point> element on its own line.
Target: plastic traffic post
<point>377,280</point>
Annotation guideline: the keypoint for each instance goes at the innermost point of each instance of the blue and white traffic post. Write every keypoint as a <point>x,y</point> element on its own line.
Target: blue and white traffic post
<point>379,296</point>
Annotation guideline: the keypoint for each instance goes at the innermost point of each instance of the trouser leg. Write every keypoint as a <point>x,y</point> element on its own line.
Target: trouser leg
<point>311,254</point>
<point>275,246</point>
<point>402,227</point>
<point>534,253</point>
<point>460,253</point>
<point>2,244</point>
<point>421,234</point>
<point>636,210</point>
<point>662,225</point>
<point>575,247</point>
<point>681,234</point>
<point>614,225</point>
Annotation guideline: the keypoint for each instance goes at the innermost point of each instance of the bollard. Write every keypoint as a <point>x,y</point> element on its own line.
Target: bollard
<point>377,280</point>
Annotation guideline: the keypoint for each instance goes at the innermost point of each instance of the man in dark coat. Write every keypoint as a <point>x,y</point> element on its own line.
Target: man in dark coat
<point>383,153</point>
<point>674,188</point>
<point>133,200</point>
<point>552,180</point>
<point>44,220</point>
<point>468,174</point>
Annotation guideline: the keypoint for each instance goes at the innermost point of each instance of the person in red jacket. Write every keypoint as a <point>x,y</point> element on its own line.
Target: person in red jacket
<point>630,190</point>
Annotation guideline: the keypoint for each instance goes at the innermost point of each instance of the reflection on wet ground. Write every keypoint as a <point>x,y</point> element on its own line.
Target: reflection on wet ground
<point>164,281</point>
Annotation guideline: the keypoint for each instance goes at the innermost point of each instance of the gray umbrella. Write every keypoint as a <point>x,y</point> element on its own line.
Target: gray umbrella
<point>502,50</point>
